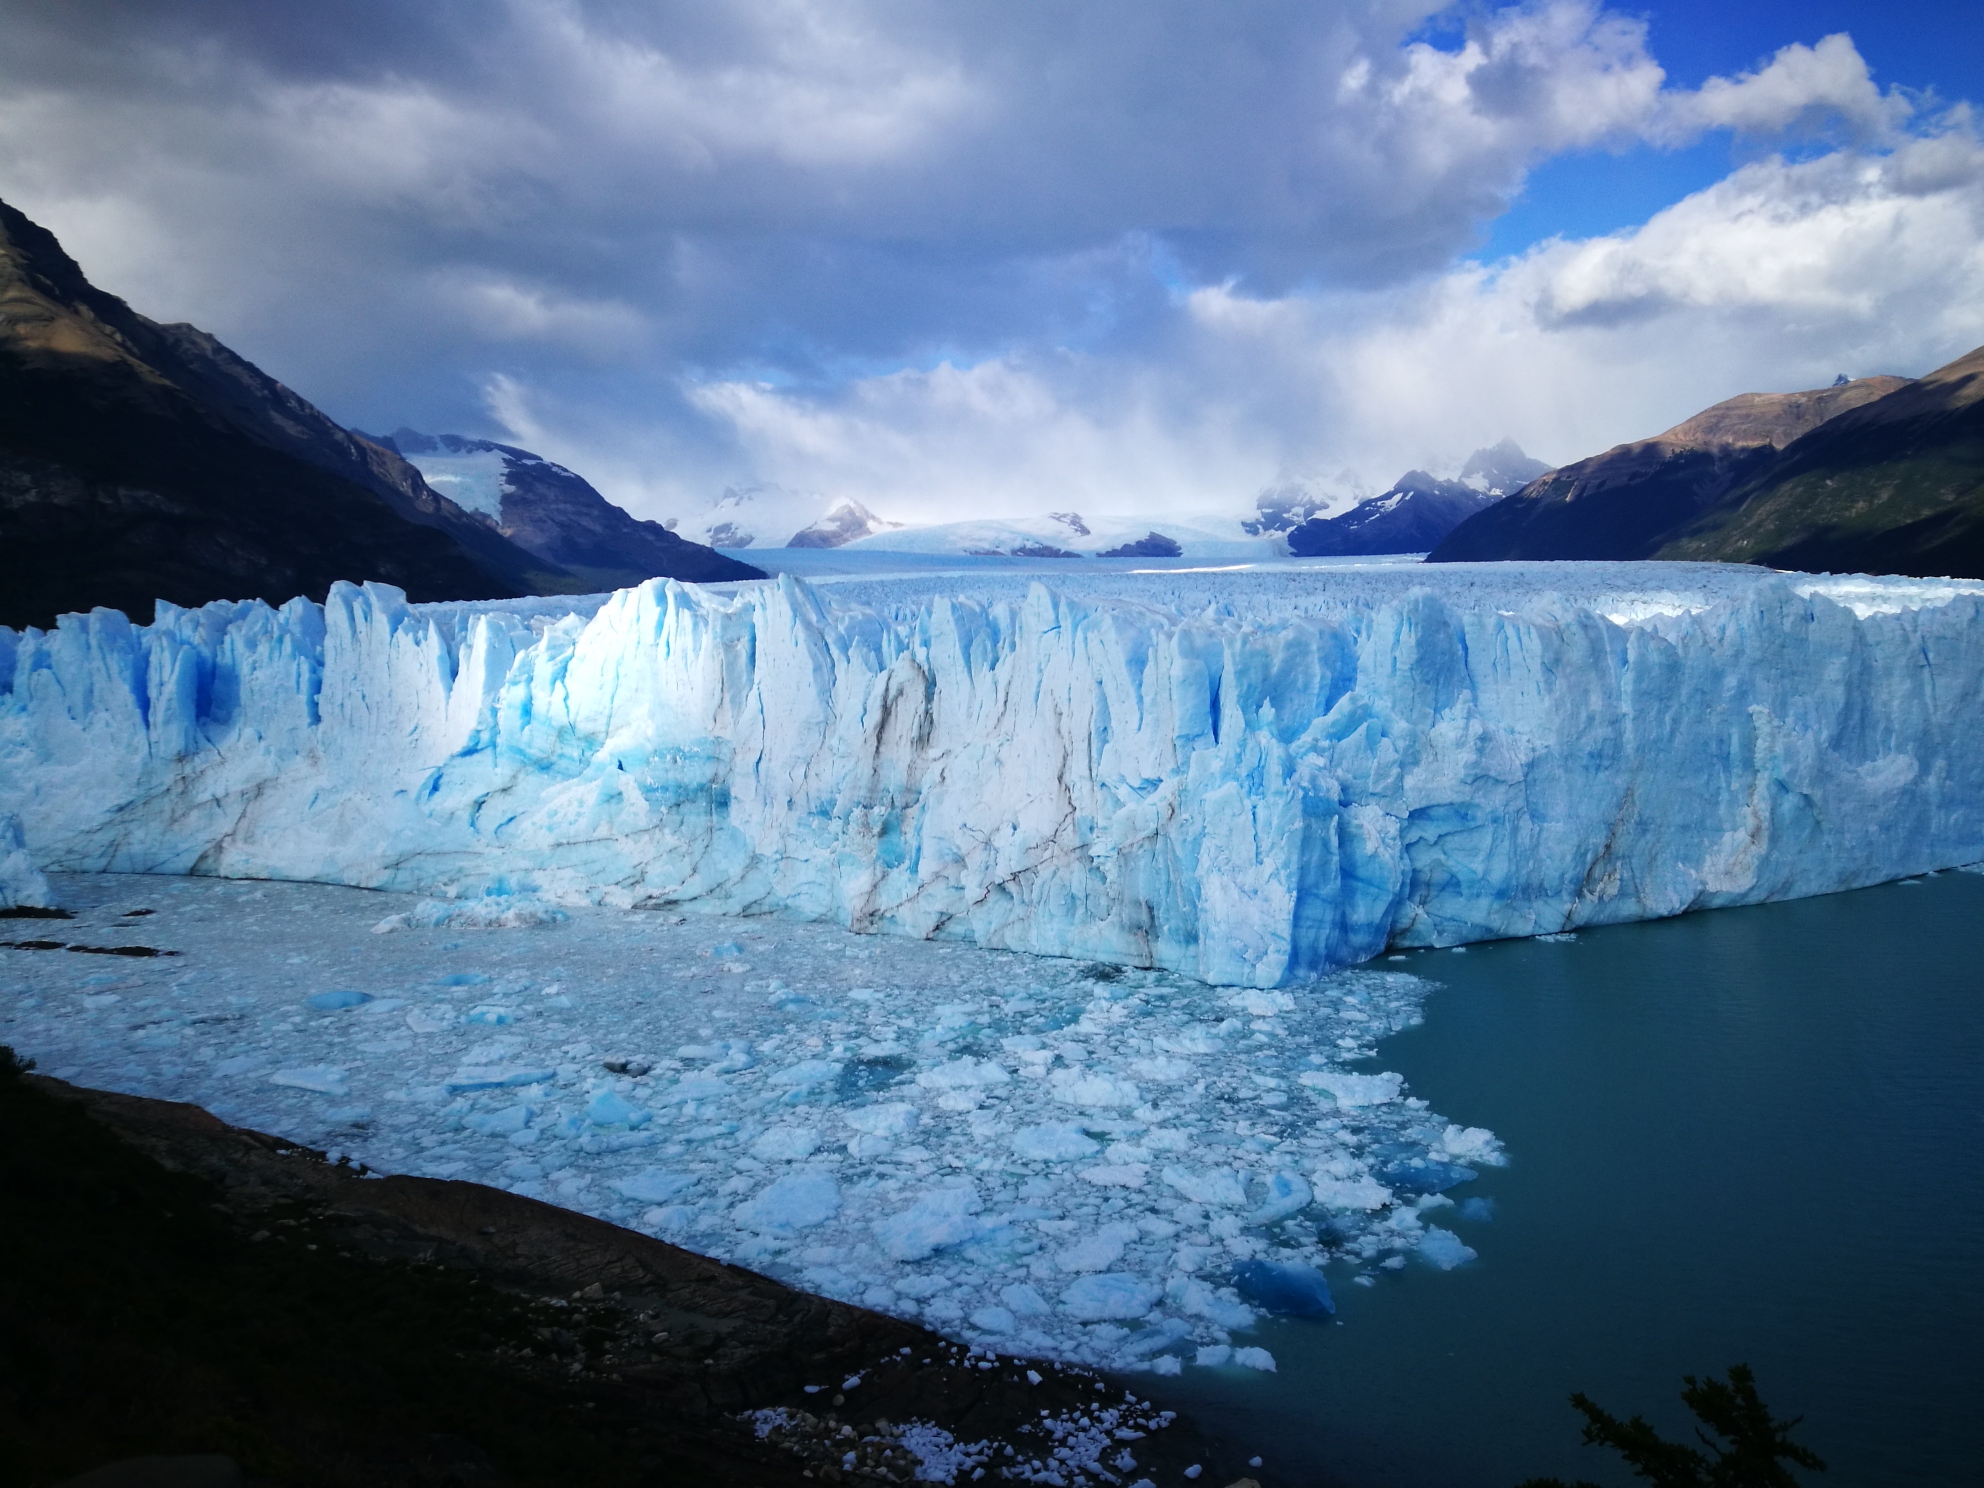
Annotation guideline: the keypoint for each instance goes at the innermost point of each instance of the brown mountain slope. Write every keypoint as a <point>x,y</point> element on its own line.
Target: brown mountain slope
<point>1894,486</point>
<point>140,461</point>
<point>1634,498</point>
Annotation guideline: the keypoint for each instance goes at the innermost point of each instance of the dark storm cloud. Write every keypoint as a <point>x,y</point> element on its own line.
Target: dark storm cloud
<point>611,204</point>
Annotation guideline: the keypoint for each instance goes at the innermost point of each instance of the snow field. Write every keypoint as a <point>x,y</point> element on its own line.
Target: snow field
<point>1247,778</point>
<point>1116,1168</point>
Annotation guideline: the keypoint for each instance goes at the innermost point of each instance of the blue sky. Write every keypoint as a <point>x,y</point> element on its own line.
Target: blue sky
<point>992,256</point>
<point>1935,45</point>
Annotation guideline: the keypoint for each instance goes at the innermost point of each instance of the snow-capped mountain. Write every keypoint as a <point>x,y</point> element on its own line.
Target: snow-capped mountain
<point>1418,511</point>
<point>555,513</point>
<point>770,516</point>
<point>1501,469</point>
<point>1069,534</point>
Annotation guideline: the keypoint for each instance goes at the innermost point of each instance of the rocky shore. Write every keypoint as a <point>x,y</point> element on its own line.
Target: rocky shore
<point>227,1303</point>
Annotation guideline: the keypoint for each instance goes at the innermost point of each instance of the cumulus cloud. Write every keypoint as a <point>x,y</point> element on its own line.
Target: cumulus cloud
<point>1141,255</point>
<point>1778,277</point>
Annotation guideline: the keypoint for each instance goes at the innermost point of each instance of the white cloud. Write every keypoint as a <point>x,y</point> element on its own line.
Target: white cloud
<point>1813,86</point>
<point>1778,277</point>
<point>1136,254</point>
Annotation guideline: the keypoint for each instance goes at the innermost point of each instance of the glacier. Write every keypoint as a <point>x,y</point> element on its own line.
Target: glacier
<point>1248,778</point>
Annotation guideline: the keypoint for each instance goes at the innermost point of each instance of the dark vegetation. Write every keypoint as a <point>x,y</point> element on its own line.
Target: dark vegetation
<point>171,1285</point>
<point>1751,1453</point>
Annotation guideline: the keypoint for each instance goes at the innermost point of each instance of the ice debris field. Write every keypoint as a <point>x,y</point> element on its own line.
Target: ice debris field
<point>1049,1157</point>
<point>1207,793</point>
<point>1251,778</point>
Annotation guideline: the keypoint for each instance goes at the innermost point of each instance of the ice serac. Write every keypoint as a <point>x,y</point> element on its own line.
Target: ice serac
<point>1247,785</point>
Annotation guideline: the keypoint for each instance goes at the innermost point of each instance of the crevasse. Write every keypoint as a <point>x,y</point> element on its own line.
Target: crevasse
<point>1246,789</point>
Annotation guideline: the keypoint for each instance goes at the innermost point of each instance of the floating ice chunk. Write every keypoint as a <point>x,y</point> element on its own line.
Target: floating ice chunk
<point>1024,1301</point>
<point>1419,1174</point>
<point>1265,1004</point>
<point>1212,1356</point>
<point>726,951</point>
<point>332,1002</point>
<point>491,1016</point>
<point>1284,1194</point>
<point>499,912</point>
<point>804,1075</point>
<point>240,1064</point>
<point>1106,1298</point>
<point>1162,1364</point>
<point>672,1218</point>
<point>617,1141</point>
<point>430,1020</point>
<point>1284,1287</point>
<point>1443,1248</point>
<point>737,1057</point>
<point>610,1108</point>
<point>496,1077</point>
<point>696,1088</point>
<point>1221,1187</point>
<point>1254,1358</point>
<point>786,1144</point>
<point>795,1202</point>
<point>1054,1141</point>
<point>1351,1091</point>
<point>962,1074</point>
<point>1116,1175</point>
<point>1466,1144</point>
<point>463,979</point>
<point>1098,1251</point>
<point>1190,1295</point>
<point>22,885</point>
<point>941,1218</point>
<point>1092,1090</point>
<point>1163,1068</point>
<point>324,1079</point>
<point>1198,1039</point>
<point>1159,1335</point>
<point>653,1186</point>
<point>1355,1194</point>
<point>888,1119</point>
<point>992,1320</point>
<point>503,1123</point>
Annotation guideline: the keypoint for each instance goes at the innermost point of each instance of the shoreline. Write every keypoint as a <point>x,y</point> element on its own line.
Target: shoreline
<point>659,1339</point>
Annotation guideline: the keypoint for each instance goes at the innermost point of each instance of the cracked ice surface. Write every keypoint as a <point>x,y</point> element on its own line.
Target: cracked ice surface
<point>1039,1156</point>
<point>1248,778</point>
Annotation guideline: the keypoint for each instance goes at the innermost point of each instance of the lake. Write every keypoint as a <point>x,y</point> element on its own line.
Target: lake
<point>1749,1135</point>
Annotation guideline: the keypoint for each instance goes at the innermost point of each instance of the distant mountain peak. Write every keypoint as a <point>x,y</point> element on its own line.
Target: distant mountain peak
<point>1501,469</point>
<point>556,514</point>
<point>144,461</point>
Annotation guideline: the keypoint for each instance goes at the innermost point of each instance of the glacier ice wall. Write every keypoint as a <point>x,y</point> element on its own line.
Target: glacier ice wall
<point>1248,793</point>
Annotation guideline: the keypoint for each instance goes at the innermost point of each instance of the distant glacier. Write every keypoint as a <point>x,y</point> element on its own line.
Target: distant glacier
<point>1248,778</point>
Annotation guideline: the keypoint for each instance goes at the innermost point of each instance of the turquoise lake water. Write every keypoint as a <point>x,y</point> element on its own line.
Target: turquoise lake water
<point>1749,1135</point>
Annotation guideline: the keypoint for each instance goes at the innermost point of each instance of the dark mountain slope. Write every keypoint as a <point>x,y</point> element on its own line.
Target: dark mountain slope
<point>1894,486</point>
<point>140,461</point>
<point>1634,498</point>
<point>556,514</point>
<point>1412,517</point>
<point>1416,513</point>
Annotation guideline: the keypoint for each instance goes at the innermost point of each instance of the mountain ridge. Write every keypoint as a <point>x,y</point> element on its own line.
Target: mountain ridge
<point>141,461</point>
<point>1632,499</point>
<point>556,514</point>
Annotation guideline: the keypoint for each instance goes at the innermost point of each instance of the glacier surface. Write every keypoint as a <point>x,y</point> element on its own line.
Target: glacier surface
<point>1247,778</point>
